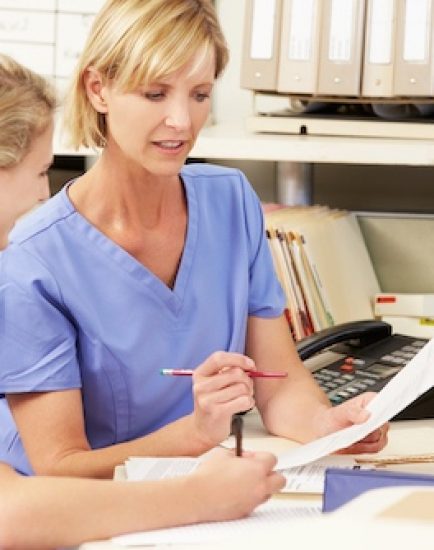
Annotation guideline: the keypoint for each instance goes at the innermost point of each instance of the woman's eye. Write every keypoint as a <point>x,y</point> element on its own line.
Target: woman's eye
<point>154,96</point>
<point>202,97</point>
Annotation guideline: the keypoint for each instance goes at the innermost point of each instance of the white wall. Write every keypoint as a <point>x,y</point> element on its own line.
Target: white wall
<point>231,103</point>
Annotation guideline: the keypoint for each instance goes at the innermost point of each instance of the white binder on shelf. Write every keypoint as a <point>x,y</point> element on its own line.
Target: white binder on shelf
<point>341,47</point>
<point>300,45</point>
<point>380,31</point>
<point>414,61</point>
<point>261,44</point>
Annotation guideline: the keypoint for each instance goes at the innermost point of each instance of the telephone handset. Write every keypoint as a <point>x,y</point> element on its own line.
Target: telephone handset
<point>361,356</point>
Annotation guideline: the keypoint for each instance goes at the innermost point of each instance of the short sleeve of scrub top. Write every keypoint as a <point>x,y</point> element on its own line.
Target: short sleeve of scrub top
<point>83,313</point>
<point>37,331</point>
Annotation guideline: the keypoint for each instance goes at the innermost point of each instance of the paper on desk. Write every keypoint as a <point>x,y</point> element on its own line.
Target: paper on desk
<point>412,381</point>
<point>307,478</point>
<point>272,514</point>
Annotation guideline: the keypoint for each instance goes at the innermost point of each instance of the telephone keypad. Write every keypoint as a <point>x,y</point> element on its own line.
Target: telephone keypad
<point>330,373</point>
<point>352,375</point>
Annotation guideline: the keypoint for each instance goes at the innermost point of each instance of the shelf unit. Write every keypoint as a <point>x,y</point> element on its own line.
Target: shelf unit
<point>295,154</point>
<point>236,143</point>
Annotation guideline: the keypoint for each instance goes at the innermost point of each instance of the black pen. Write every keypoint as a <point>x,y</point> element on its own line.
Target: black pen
<point>237,431</point>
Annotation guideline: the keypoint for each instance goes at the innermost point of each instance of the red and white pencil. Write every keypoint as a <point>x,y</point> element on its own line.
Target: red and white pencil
<point>251,373</point>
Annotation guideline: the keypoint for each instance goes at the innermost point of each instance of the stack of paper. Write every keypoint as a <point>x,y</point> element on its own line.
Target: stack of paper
<point>407,305</point>
<point>323,266</point>
<point>411,314</point>
<point>308,478</point>
<point>274,514</point>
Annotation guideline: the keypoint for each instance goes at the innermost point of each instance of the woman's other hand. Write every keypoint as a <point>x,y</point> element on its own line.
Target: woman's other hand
<point>221,388</point>
<point>353,411</point>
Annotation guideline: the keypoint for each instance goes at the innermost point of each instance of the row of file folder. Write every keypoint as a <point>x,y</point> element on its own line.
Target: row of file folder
<point>323,265</point>
<point>367,48</point>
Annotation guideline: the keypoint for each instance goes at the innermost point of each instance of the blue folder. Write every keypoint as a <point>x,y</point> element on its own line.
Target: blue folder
<point>344,484</point>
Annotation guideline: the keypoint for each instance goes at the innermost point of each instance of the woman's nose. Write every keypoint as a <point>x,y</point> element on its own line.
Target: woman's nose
<point>179,118</point>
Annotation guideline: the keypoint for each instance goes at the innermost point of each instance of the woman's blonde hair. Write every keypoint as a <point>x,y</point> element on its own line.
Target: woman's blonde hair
<point>133,42</point>
<point>27,103</point>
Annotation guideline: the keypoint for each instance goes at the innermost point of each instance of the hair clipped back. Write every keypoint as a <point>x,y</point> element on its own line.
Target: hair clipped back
<point>27,103</point>
<point>133,42</point>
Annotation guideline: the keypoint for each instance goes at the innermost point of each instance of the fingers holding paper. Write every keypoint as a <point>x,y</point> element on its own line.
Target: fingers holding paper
<point>372,443</point>
<point>352,412</point>
<point>221,388</point>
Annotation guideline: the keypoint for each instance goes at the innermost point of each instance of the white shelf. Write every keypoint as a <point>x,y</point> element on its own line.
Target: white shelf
<point>235,143</point>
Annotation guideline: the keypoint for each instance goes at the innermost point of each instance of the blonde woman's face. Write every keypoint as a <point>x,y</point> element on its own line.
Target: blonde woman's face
<point>155,127</point>
<point>26,184</point>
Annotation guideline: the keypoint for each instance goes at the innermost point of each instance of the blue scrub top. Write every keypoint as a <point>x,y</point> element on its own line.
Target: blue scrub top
<point>81,312</point>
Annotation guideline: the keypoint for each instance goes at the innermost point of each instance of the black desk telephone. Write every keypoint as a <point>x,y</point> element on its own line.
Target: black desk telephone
<point>362,356</point>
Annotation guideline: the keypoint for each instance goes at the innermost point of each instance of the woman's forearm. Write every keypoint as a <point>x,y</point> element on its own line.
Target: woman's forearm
<point>293,411</point>
<point>47,512</point>
<point>176,439</point>
<point>65,512</point>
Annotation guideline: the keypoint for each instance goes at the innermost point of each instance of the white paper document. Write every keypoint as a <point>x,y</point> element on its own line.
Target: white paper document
<point>308,478</point>
<point>272,514</point>
<point>412,381</point>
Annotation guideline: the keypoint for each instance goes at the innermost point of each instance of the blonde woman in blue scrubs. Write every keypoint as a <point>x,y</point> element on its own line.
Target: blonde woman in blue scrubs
<point>44,512</point>
<point>144,263</point>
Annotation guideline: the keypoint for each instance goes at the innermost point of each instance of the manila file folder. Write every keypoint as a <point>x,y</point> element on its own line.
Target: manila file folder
<point>261,44</point>
<point>334,242</point>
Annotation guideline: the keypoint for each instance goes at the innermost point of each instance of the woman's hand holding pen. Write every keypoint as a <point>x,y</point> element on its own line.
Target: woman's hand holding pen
<point>352,412</point>
<point>230,487</point>
<point>221,388</point>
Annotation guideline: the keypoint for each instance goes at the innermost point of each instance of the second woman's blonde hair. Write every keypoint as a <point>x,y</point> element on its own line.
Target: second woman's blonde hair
<point>27,103</point>
<point>133,42</point>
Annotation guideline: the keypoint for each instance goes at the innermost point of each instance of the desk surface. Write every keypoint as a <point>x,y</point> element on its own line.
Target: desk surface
<point>323,533</point>
<point>406,437</point>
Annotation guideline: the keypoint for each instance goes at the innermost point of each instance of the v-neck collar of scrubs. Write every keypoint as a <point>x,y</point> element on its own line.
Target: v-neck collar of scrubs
<point>172,298</point>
